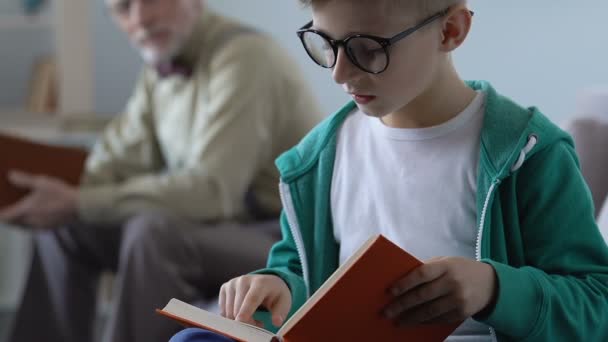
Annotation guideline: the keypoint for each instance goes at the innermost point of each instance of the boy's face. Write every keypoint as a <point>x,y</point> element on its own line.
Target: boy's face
<point>414,61</point>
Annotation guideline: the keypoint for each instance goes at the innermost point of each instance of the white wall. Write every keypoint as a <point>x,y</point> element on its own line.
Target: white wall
<point>10,7</point>
<point>116,63</point>
<point>73,46</point>
<point>20,49</point>
<point>22,43</point>
<point>539,52</point>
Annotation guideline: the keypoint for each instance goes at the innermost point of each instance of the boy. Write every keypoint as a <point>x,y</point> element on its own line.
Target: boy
<point>441,167</point>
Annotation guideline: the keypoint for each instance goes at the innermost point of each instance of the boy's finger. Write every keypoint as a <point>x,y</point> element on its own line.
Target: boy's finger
<point>254,298</point>
<point>423,274</point>
<point>453,316</point>
<point>434,259</point>
<point>229,305</point>
<point>239,296</point>
<point>418,296</point>
<point>280,311</point>
<point>434,310</point>
<point>222,300</point>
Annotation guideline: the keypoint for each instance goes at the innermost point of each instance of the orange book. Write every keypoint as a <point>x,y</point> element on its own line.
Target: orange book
<point>348,307</point>
<point>21,154</point>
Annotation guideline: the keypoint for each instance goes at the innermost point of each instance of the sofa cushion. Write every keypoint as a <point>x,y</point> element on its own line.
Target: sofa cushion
<point>602,221</point>
<point>591,138</point>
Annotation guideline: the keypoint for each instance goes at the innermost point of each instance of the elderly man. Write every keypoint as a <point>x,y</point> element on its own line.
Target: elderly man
<point>174,192</point>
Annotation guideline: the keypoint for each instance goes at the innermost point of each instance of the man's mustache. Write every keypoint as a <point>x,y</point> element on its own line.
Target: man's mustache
<point>142,35</point>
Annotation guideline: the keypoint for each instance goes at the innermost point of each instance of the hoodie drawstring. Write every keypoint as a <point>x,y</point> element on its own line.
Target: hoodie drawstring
<point>532,141</point>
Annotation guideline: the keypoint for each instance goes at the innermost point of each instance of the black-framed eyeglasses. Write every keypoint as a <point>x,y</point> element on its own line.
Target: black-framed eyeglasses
<point>369,53</point>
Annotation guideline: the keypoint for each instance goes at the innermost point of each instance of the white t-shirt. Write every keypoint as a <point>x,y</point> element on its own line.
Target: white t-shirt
<point>417,187</point>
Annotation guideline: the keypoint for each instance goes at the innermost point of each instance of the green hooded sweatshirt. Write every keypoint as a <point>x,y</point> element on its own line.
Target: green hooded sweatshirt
<point>535,218</point>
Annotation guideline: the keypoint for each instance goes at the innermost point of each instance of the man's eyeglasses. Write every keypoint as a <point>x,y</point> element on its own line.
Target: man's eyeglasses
<point>369,53</point>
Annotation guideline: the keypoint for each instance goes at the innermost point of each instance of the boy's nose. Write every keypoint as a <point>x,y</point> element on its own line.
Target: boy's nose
<point>344,70</point>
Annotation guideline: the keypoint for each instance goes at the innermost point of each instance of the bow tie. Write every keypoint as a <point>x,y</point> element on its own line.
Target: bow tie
<point>172,68</point>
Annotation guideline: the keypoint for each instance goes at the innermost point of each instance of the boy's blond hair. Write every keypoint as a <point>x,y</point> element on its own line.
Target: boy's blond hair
<point>420,7</point>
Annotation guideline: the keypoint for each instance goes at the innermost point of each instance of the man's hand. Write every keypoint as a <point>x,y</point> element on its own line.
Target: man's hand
<point>49,204</point>
<point>241,297</point>
<point>444,290</point>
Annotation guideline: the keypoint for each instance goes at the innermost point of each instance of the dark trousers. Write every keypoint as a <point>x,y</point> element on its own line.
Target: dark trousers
<point>155,257</point>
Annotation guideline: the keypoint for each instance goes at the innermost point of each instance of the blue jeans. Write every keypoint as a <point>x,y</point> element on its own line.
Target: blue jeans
<point>198,335</point>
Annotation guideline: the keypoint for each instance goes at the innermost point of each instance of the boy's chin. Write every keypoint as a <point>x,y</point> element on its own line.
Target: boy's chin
<point>372,112</point>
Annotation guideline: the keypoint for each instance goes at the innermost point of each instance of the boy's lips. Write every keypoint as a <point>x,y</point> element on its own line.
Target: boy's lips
<point>363,99</point>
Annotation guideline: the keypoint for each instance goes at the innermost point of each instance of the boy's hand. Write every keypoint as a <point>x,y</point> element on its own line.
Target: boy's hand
<point>49,204</point>
<point>444,290</point>
<point>242,296</point>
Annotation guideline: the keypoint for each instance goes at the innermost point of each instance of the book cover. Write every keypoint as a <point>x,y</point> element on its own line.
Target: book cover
<point>21,154</point>
<point>348,307</point>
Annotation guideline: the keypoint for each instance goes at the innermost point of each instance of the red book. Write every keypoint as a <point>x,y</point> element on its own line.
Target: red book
<point>21,154</point>
<point>348,307</point>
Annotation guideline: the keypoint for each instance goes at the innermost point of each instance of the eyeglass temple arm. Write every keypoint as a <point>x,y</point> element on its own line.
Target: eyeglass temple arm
<point>421,25</point>
<point>405,33</point>
<point>306,27</point>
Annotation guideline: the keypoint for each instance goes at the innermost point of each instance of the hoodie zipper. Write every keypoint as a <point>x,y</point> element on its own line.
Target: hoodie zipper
<point>294,227</point>
<point>532,141</point>
<point>482,220</point>
<point>482,223</point>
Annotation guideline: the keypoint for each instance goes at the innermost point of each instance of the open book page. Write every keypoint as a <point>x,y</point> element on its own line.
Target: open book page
<point>190,315</point>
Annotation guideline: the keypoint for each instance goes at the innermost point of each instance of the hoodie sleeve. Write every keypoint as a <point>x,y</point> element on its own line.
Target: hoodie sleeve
<point>285,263</point>
<point>561,293</point>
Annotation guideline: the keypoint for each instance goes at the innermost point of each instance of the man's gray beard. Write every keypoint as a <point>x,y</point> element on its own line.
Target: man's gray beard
<point>153,57</point>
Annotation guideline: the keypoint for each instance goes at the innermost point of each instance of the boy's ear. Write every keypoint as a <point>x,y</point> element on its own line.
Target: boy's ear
<point>456,27</point>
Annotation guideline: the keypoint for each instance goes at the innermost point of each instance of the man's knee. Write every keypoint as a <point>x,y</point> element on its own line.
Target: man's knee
<point>61,242</point>
<point>147,232</point>
<point>198,335</point>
